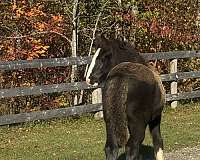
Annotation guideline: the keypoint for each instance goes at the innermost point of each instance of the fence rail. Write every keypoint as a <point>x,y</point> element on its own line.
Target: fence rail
<point>76,110</point>
<point>37,90</point>
<point>63,112</point>
<point>75,86</point>
<point>69,61</point>
<point>40,63</point>
<point>49,114</point>
<point>179,75</point>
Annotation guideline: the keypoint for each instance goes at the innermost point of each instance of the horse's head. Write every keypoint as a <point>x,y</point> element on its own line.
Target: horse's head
<point>110,53</point>
<point>101,62</point>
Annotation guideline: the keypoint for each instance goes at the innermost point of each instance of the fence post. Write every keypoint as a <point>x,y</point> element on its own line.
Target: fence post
<point>173,86</point>
<point>97,98</point>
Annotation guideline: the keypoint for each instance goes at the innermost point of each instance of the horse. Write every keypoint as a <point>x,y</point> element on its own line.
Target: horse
<point>132,97</point>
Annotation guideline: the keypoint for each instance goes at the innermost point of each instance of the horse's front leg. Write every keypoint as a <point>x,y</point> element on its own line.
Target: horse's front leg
<point>137,133</point>
<point>132,149</point>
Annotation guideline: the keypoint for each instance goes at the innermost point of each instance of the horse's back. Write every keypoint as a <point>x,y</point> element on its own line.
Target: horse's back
<point>136,71</point>
<point>144,94</point>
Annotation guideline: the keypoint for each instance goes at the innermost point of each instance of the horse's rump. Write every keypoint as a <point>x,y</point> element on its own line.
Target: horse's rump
<point>129,83</point>
<point>146,77</point>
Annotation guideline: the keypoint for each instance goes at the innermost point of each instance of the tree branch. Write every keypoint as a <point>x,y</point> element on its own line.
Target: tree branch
<point>38,33</point>
<point>94,32</point>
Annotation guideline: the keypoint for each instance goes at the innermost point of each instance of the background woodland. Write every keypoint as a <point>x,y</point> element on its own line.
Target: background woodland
<point>36,29</point>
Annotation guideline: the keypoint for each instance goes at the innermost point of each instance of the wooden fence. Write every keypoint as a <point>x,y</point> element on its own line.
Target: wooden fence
<point>64,112</point>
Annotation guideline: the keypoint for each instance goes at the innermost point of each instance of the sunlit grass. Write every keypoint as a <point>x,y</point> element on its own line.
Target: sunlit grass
<point>83,138</point>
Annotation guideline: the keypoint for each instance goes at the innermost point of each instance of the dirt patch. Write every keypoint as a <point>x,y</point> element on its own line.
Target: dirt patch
<point>147,153</point>
<point>184,154</point>
<point>193,153</point>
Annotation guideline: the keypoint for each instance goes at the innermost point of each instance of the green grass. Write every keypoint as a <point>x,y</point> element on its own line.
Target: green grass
<point>84,138</point>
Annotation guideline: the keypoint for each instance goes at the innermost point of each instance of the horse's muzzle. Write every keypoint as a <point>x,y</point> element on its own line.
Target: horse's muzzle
<point>88,81</point>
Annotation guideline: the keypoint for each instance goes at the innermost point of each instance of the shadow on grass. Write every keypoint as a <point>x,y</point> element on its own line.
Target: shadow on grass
<point>146,153</point>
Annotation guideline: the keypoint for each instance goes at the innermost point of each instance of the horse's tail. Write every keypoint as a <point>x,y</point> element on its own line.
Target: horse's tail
<point>114,103</point>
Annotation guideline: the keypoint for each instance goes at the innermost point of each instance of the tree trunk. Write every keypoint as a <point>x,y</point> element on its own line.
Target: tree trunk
<point>75,42</point>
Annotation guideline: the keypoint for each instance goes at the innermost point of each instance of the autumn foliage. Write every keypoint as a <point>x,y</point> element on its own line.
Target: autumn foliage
<point>43,29</point>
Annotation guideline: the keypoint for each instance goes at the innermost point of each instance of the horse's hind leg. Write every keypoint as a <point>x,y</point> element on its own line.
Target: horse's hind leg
<point>111,152</point>
<point>111,146</point>
<point>154,127</point>
<point>137,134</point>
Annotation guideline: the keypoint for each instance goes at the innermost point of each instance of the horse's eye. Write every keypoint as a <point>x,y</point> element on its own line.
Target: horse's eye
<point>104,57</point>
<point>107,56</point>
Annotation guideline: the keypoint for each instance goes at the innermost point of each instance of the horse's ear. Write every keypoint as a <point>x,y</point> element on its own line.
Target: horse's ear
<point>103,38</point>
<point>120,38</point>
<point>100,41</point>
<point>121,42</point>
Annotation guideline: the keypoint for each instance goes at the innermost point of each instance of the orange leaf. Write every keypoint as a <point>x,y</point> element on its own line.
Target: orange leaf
<point>30,58</point>
<point>57,18</point>
<point>14,6</point>
<point>29,14</point>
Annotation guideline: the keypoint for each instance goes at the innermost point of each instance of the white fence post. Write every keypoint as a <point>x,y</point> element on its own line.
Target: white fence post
<point>97,98</point>
<point>174,84</point>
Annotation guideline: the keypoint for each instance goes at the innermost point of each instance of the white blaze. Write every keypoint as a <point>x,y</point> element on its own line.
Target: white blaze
<point>159,155</point>
<point>92,64</point>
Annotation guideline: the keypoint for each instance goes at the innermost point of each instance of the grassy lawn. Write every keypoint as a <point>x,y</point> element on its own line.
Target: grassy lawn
<point>83,138</point>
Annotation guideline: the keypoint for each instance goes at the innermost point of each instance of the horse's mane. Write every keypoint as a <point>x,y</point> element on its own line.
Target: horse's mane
<point>122,44</point>
<point>115,43</point>
<point>126,49</point>
<point>102,42</point>
<point>121,48</point>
